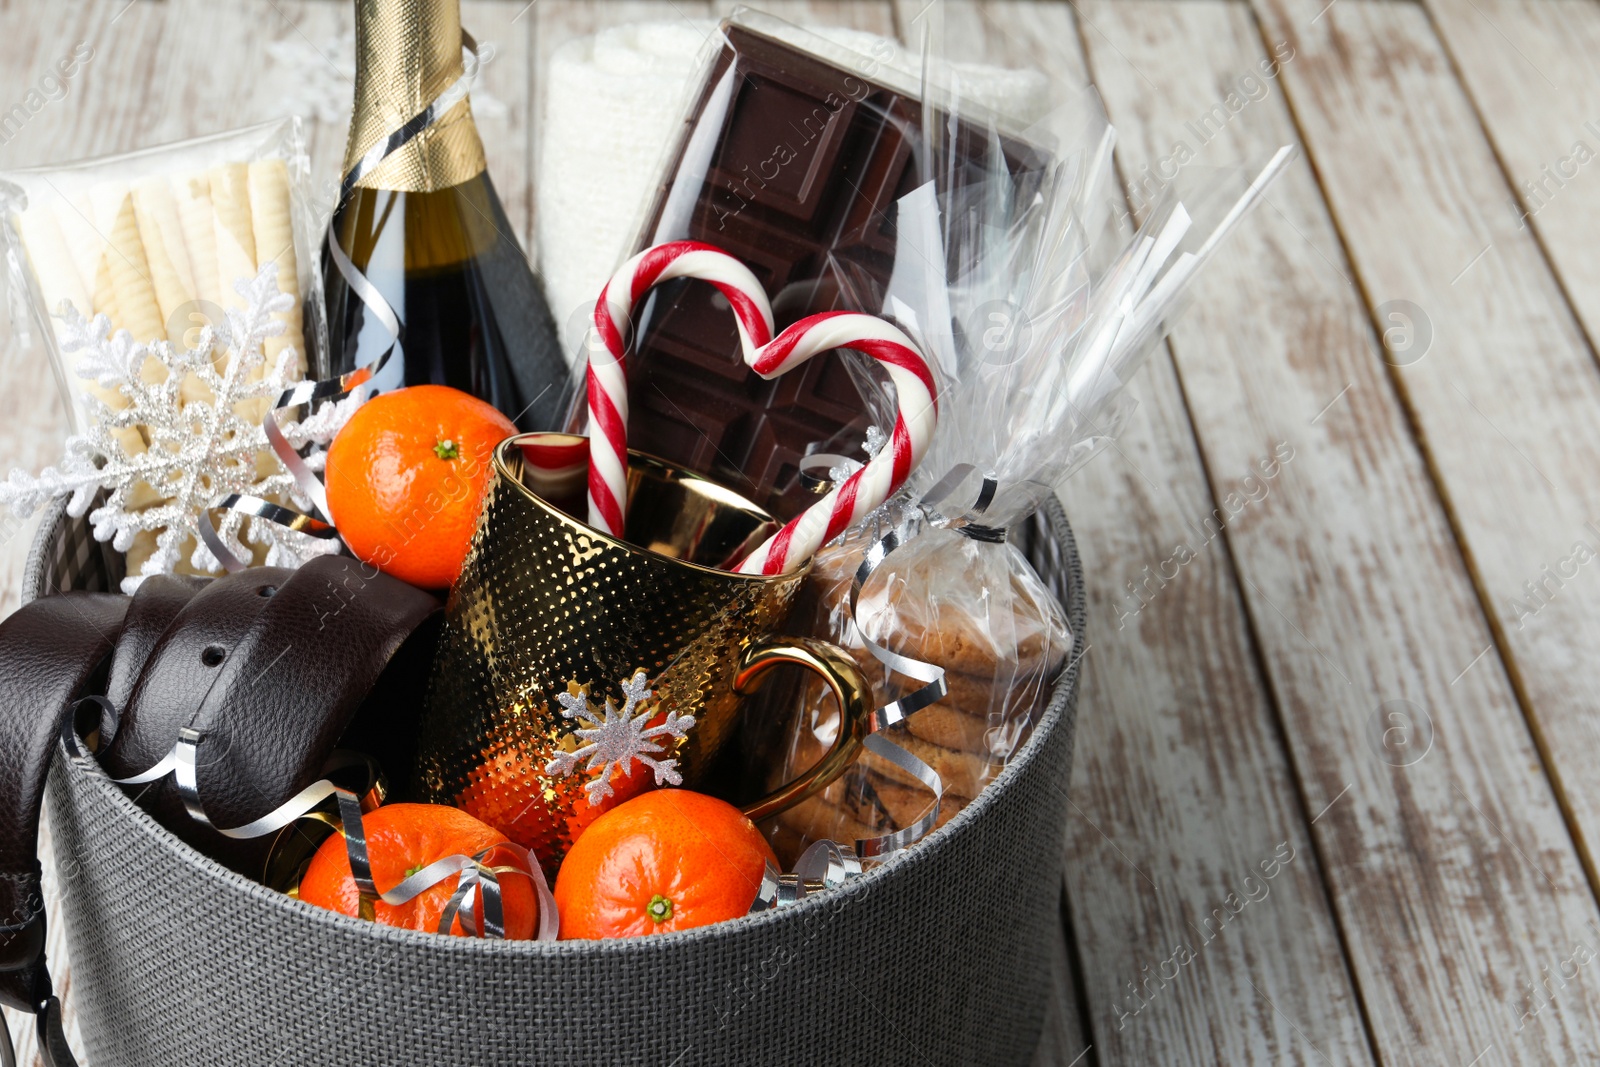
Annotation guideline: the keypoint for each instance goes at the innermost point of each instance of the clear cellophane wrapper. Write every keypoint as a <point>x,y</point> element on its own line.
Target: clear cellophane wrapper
<point>974,607</point>
<point>1036,302</point>
<point>156,239</point>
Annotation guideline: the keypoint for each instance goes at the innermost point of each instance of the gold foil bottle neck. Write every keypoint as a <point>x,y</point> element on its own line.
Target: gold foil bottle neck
<point>407,53</point>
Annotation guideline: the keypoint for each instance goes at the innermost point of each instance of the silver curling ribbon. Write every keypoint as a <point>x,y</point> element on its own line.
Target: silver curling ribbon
<point>382,374</point>
<point>824,865</point>
<point>475,878</point>
<point>932,676</point>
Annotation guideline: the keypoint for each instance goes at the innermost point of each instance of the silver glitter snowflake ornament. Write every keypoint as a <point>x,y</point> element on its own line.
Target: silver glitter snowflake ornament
<point>617,738</point>
<point>164,461</point>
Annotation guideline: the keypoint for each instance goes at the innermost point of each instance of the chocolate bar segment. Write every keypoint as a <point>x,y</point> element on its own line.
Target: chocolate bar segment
<point>806,161</point>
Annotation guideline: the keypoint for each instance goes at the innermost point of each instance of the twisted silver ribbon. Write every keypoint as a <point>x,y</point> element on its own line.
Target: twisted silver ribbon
<point>780,890</point>
<point>825,865</point>
<point>931,675</point>
<point>475,878</point>
<point>386,371</point>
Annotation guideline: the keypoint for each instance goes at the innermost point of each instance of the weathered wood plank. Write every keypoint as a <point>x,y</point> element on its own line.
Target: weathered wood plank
<point>1532,72</point>
<point>1181,787</point>
<point>1356,590</point>
<point>873,16</point>
<point>507,127</point>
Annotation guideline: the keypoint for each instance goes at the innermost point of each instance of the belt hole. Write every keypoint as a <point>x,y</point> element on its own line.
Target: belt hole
<point>213,655</point>
<point>266,591</point>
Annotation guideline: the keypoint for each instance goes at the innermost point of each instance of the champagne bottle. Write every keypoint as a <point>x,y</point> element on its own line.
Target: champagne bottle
<point>426,230</point>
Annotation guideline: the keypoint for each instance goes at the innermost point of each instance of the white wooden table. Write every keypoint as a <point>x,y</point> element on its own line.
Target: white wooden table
<point>1368,683</point>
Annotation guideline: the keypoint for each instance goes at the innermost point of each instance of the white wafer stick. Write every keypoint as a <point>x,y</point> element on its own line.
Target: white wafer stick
<point>52,263</point>
<point>236,243</point>
<point>197,217</point>
<point>273,230</point>
<point>162,235</point>
<point>130,269</point>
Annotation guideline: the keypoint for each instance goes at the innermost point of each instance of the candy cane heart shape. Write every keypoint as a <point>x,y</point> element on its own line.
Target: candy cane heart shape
<point>916,396</point>
<point>607,377</point>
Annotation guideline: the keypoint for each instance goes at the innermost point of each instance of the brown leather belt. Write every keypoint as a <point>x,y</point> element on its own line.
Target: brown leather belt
<point>271,667</point>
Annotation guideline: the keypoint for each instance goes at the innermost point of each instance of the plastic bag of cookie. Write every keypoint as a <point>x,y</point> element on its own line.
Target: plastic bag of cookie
<point>973,607</point>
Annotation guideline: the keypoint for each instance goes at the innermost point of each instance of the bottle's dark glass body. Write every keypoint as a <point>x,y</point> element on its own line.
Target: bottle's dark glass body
<point>472,315</point>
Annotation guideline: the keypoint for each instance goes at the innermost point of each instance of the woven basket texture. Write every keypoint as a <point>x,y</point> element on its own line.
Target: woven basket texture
<point>936,957</point>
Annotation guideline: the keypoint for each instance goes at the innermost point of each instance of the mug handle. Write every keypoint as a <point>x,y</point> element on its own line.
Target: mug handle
<point>850,688</point>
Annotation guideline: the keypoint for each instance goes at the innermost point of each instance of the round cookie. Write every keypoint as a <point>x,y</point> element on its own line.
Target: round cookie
<point>818,817</point>
<point>989,722</point>
<point>906,805</point>
<point>963,773</point>
<point>939,630</point>
<point>946,725</point>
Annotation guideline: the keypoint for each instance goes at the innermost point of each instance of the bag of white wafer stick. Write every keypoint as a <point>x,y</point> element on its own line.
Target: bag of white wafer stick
<point>156,239</point>
<point>1037,307</point>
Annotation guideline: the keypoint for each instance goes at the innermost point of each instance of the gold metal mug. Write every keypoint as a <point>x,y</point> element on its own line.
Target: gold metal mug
<point>547,605</point>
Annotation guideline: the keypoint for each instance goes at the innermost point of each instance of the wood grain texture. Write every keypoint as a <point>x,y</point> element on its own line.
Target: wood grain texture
<point>1181,788</point>
<point>1453,877</point>
<point>1533,74</point>
<point>31,411</point>
<point>1532,69</point>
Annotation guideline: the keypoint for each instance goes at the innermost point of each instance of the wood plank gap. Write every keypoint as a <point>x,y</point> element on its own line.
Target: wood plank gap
<point>1432,887</point>
<point>1495,150</point>
<point>1252,629</point>
<point>1282,732</point>
<point>1501,638</point>
<point>1441,488</point>
<point>1155,760</point>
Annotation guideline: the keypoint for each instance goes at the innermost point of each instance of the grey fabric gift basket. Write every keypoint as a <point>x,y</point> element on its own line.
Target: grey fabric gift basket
<point>935,957</point>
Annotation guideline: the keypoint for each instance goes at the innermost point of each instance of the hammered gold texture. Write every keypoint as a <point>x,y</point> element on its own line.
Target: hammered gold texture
<point>407,52</point>
<point>544,604</point>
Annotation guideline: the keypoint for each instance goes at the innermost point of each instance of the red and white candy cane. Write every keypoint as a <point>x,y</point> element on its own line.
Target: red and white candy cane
<point>607,377</point>
<point>916,396</point>
<point>915,392</point>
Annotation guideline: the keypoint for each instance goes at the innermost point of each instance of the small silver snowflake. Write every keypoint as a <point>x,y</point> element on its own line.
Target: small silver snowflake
<point>617,738</point>
<point>164,459</point>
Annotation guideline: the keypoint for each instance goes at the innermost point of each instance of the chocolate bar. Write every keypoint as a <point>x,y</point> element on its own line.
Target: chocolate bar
<point>793,164</point>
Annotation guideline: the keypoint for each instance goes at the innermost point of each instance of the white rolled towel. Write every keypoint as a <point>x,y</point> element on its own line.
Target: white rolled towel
<point>613,103</point>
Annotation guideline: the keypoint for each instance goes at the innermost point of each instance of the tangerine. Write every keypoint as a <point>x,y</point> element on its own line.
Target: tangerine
<point>667,860</point>
<point>508,793</point>
<point>405,477</point>
<point>403,839</point>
